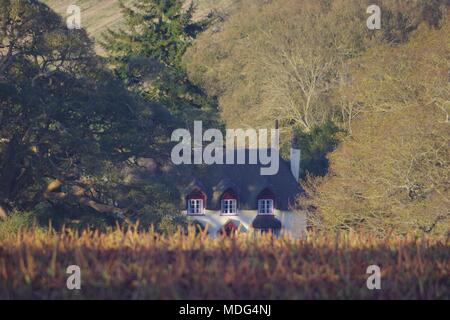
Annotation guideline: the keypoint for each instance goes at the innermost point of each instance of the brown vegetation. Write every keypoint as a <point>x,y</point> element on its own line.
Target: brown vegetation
<point>135,265</point>
<point>393,172</point>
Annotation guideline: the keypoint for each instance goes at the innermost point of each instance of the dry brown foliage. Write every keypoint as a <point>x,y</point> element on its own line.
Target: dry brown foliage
<point>145,265</point>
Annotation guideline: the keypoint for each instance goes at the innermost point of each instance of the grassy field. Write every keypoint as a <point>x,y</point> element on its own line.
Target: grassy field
<point>144,265</point>
<point>96,16</point>
<point>99,15</point>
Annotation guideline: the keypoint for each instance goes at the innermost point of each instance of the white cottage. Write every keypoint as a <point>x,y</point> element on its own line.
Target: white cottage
<point>237,197</point>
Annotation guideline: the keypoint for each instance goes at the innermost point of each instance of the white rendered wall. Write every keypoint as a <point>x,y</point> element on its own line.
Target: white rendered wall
<point>293,223</point>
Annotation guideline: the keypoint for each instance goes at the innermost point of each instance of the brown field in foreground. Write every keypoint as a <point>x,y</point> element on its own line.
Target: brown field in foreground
<point>144,265</point>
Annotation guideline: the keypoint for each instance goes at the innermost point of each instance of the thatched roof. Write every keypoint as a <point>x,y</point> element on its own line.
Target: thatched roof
<point>245,180</point>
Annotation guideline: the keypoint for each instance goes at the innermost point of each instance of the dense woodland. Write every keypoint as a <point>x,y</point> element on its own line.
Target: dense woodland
<point>369,108</point>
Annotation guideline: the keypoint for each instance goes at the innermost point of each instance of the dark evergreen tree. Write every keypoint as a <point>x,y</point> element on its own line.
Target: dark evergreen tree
<point>147,55</point>
<point>315,146</point>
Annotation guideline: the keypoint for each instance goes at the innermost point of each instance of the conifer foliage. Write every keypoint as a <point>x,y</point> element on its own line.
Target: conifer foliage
<point>147,55</point>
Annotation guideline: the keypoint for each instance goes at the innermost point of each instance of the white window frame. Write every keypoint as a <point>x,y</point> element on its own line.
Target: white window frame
<point>265,207</point>
<point>229,207</point>
<point>195,207</point>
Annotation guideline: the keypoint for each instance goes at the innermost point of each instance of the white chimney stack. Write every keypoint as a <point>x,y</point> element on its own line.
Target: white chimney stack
<point>295,157</point>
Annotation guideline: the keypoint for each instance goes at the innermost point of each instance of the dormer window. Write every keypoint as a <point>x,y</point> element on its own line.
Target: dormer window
<point>229,203</point>
<point>196,203</point>
<point>229,206</point>
<point>265,206</point>
<point>195,206</point>
<point>266,200</point>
